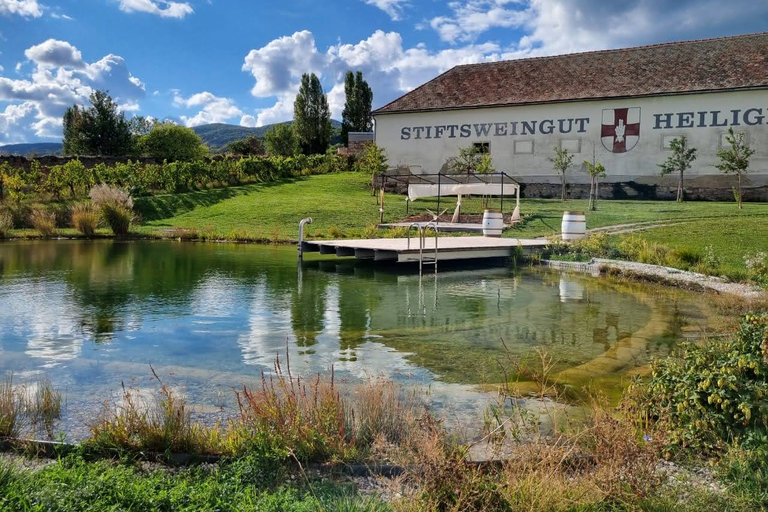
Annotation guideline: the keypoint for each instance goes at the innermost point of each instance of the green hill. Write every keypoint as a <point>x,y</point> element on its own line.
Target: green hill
<point>218,135</point>
<point>35,148</point>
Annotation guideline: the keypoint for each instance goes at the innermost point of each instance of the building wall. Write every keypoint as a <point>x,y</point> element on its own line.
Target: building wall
<point>521,138</point>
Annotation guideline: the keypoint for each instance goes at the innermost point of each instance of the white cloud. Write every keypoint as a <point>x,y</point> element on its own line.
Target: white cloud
<point>389,68</point>
<point>248,121</point>
<point>562,26</point>
<point>473,17</point>
<point>55,53</point>
<point>25,8</point>
<point>60,78</point>
<point>61,16</point>
<point>278,66</point>
<point>214,109</point>
<point>394,8</point>
<point>162,8</point>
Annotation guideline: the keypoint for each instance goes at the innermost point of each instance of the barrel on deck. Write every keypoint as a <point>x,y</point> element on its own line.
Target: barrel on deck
<point>574,226</point>
<point>493,223</point>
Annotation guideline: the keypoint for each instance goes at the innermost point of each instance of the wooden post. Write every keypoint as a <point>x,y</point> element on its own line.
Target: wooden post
<point>381,207</point>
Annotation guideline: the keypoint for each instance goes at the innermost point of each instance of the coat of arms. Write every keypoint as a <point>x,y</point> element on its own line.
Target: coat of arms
<point>621,129</point>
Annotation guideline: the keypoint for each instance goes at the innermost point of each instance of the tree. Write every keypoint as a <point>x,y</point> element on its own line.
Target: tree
<point>99,130</point>
<point>678,162</point>
<point>281,140</point>
<point>249,146</point>
<point>172,142</point>
<point>595,170</point>
<point>561,162</point>
<point>356,116</point>
<point>471,159</point>
<point>372,161</point>
<point>312,116</point>
<point>735,158</point>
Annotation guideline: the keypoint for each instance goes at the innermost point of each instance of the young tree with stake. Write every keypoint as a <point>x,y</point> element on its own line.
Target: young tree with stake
<point>735,158</point>
<point>678,162</point>
<point>595,170</point>
<point>561,161</point>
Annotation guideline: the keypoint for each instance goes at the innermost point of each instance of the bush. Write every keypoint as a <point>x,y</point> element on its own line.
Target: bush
<point>6,224</point>
<point>757,267</point>
<point>116,207</point>
<point>85,218</point>
<point>43,220</point>
<point>712,395</point>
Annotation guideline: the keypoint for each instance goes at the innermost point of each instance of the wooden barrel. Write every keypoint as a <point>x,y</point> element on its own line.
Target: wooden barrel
<point>493,223</point>
<point>574,226</point>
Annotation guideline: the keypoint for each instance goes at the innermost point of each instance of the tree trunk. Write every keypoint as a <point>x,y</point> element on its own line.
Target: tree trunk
<point>592,194</point>
<point>562,192</point>
<point>680,188</point>
<point>740,207</point>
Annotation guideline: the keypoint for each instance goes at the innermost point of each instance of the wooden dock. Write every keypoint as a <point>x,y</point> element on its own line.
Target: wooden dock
<point>448,248</point>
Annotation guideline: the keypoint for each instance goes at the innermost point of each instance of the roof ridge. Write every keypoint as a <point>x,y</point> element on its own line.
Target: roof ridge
<point>616,50</point>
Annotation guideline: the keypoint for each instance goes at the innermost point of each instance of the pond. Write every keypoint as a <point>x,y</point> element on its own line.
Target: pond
<point>93,316</point>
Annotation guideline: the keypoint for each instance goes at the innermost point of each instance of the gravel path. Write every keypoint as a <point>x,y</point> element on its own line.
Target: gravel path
<point>682,277</point>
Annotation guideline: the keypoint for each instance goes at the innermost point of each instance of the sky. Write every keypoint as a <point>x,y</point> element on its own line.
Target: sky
<point>240,61</point>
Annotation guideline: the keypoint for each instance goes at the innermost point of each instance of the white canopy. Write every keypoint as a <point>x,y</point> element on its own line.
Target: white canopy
<point>419,190</point>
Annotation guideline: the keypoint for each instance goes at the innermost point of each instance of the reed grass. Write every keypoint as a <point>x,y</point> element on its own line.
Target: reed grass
<point>43,221</point>
<point>85,218</point>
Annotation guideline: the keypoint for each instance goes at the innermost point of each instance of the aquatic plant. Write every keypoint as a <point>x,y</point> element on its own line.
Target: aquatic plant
<point>43,405</point>
<point>11,408</point>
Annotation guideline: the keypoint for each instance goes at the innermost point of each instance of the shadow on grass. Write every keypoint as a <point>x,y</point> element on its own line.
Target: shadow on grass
<point>166,206</point>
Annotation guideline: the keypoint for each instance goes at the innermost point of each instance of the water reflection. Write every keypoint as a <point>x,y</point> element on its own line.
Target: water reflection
<point>95,313</point>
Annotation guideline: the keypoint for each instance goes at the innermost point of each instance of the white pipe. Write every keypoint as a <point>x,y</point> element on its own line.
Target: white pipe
<point>308,220</point>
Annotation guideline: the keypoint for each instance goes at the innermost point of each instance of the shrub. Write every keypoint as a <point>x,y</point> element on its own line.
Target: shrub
<point>335,232</point>
<point>710,395</point>
<point>757,267</point>
<point>85,218</point>
<point>43,220</point>
<point>6,224</point>
<point>116,207</point>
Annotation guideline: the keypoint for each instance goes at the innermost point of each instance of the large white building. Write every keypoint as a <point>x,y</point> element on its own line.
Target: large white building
<point>626,105</point>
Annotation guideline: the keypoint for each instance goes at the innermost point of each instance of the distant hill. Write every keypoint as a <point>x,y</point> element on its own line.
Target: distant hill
<point>35,148</point>
<point>218,135</point>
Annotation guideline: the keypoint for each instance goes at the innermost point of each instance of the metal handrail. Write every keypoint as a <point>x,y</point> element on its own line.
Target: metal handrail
<point>308,220</point>
<point>418,228</point>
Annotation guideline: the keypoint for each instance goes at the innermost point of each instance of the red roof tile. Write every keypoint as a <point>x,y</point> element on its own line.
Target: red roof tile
<point>726,63</point>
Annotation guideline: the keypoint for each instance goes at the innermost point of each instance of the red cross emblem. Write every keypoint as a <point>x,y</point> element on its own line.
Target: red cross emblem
<point>620,131</point>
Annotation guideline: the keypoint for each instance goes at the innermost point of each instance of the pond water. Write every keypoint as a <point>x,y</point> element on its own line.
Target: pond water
<point>211,317</point>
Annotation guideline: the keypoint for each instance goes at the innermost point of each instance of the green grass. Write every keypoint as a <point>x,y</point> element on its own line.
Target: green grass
<point>731,238</point>
<point>267,211</point>
<point>73,484</point>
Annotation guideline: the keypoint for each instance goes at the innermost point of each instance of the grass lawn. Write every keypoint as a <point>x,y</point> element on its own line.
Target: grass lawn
<point>72,484</point>
<point>343,201</point>
<point>267,212</point>
<point>731,238</point>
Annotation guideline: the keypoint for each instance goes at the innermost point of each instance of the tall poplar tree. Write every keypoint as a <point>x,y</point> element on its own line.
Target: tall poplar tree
<point>312,116</point>
<point>356,116</point>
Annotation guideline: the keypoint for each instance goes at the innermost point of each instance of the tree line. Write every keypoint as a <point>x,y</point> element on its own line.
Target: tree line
<point>103,130</point>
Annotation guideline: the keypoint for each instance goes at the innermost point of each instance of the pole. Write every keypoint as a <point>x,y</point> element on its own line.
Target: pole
<point>381,207</point>
<point>501,206</point>
<point>439,176</point>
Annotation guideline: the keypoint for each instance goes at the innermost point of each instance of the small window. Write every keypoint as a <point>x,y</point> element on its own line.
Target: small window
<point>523,147</point>
<point>666,141</point>
<point>483,148</point>
<point>724,142</point>
<point>571,145</point>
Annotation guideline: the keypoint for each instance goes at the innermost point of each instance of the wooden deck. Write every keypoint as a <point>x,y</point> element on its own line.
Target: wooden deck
<point>448,248</point>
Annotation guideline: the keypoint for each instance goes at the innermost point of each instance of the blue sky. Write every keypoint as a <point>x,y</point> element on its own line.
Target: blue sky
<point>239,61</point>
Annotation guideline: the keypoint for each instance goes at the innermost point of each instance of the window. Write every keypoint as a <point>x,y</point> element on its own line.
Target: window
<point>571,145</point>
<point>666,141</point>
<point>523,147</point>
<point>484,148</point>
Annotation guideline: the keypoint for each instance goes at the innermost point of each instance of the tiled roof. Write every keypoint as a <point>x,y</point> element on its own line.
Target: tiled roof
<point>726,63</point>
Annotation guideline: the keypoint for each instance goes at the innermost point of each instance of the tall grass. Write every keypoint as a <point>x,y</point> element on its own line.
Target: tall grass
<point>11,409</point>
<point>116,207</point>
<point>85,218</point>
<point>44,221</point>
